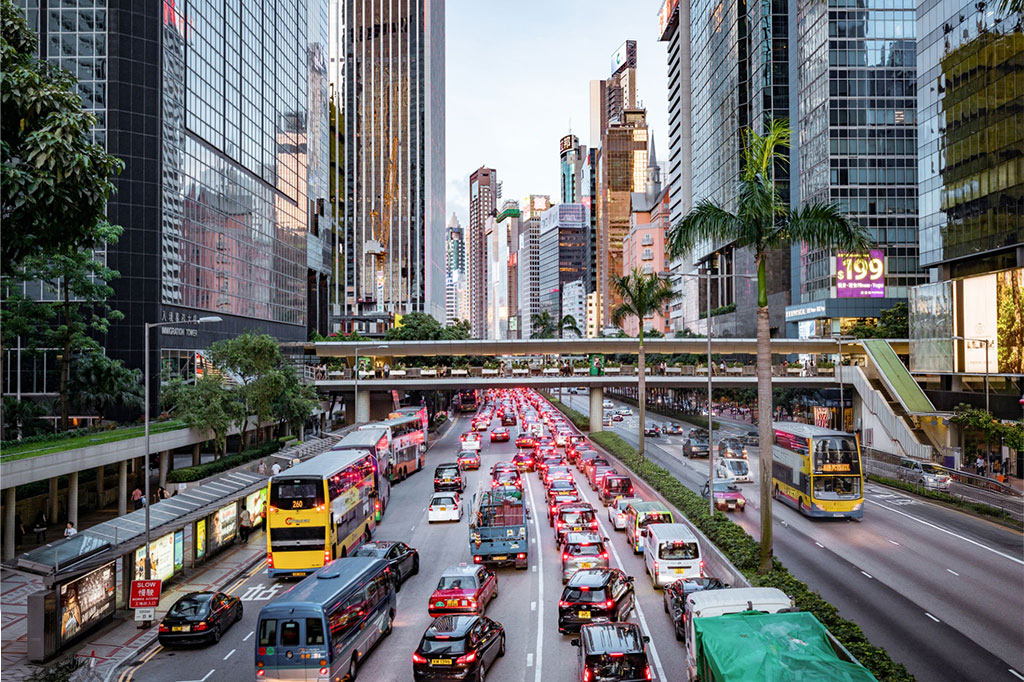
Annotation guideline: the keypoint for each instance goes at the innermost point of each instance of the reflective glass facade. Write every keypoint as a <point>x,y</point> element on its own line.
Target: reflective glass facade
<point>563,247</point>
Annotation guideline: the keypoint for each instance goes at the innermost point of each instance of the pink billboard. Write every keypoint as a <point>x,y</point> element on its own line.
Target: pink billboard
<point>860,275</point>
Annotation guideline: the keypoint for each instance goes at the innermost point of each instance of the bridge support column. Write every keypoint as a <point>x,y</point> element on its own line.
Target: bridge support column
<point>596,408</point>
<point>197,453</point>
<point>73,498</point>
<point>165,461</point>
<point>362,407</point>
<point>54,502</point>
<point>10,509</point>
<point>100,484</point>
<point>122,487</point>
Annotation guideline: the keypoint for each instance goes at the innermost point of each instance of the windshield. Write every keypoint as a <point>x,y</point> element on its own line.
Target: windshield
<point>591,596</point>
<point>654,517</point>
<point>436,647</point>
<point>725,487</point>
<point>577,517</point>
<point>737,466</point>
<point>933,470</point>
<point>296,494</point>
<point>835,454</point>
<point>457,582</point>
<point>678,550</point>
<point>583,550</point>
<point>190,608</point>
<point>836,487</point>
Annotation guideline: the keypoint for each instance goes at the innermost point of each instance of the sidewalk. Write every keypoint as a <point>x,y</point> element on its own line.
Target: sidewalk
<point>122,640</point>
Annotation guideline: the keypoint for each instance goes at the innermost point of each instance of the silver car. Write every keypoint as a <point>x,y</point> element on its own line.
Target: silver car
<point>617,511</point>
<point>583,550</point>
<point>924,474</point>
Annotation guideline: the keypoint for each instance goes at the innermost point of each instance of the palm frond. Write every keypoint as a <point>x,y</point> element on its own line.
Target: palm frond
<point>821,225</point>
<point>642,294</point>
<point>707,221</point>
<point>761,152</point>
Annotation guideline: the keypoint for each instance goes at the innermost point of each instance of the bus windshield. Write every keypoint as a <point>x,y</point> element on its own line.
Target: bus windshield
<point>836,454</point>
<point>836,487</point>
<point>654,517</point>
<point>297,493</point>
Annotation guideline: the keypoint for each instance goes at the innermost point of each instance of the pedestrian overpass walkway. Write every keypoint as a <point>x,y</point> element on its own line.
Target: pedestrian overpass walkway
<point>900,383</point>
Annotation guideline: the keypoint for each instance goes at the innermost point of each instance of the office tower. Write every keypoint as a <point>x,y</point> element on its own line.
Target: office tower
<point>588,197</point>
<point>562,253</point>
<point>574,303</point>
<point>857,148</point>
<point>970,137</point>
<point>528,254</point>
<point>455,267</point>
<point>612,97</point>
<point>483,197</point>
<point>222,198</point>
<point>572,158</point>
<point>387,71</point>
<point>508,221</point>
<point>496,234</point>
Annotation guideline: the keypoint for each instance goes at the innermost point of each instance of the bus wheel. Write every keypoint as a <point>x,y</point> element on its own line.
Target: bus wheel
<point>353,668</point>
<point>390,625</point>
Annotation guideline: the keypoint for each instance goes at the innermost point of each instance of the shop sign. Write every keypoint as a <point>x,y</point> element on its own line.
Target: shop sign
<point>860,275</point>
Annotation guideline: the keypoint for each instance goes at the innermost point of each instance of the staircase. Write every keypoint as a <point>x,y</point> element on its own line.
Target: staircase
<point>920,434</point>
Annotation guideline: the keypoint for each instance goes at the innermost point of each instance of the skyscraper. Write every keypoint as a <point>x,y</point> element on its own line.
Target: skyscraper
<point>562,253</point>
<point>455,269</point>
<point>528,255</point>
<point>572,158</point>
<point>387,70</point>
<point>483,197</point>
<point>508,222</point>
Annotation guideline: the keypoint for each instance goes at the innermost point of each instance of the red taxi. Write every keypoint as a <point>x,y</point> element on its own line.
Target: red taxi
<point>463,588</point>
<point>526,441</point>
<point>469,459</point>
<point>500,435</point>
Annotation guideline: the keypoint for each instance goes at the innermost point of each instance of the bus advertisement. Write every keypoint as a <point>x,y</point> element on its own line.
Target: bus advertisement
<point>375,441</point>
<point>817,470</point>
<point>408,439</point>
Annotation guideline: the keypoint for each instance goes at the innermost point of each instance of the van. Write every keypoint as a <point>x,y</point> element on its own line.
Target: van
<point>639,515</point>
<point>326,625</point>
<point>671,552</point>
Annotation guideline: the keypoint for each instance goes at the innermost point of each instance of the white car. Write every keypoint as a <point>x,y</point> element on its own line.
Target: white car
<point>734,469</point>
<point>445,507</point>
<point>617,511</point>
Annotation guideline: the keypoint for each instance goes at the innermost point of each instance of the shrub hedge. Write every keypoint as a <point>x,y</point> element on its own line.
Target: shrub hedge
<point>579,420</point>
<point>742,551</point>
<point>975,507</point>
<point>202,471</point>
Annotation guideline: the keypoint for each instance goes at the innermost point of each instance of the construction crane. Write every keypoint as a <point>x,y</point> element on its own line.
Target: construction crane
<point>380,225</point>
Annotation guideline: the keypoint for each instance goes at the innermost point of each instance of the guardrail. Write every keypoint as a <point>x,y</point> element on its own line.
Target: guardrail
<point>875,403</point>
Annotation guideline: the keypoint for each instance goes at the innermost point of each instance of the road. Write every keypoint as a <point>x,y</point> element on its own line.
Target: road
<point>526,605</point>
<point>940,589</point>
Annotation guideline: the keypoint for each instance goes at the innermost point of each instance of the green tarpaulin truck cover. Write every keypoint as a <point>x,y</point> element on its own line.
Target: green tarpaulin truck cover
<point>770,647</point>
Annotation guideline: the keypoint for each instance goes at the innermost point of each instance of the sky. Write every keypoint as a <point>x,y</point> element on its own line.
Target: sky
<point>518,74</point>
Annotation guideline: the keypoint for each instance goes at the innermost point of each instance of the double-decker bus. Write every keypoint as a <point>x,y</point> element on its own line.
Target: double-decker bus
<point>319,510</point>
<point>376,443</point>
<point>408,439</point>
<point>467,400</point>
<point>817,470</point>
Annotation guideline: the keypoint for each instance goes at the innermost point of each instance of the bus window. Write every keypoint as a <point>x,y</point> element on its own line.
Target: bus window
<point>290,633</point>
<point>836,487</point>
<point>835,454</point>
<point>268,632</point>
<point>296,494</point>
<point>314,631</point>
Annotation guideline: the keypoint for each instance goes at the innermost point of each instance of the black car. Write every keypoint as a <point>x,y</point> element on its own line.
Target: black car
<point>612,652</point>
<point>595,595</point>
<point>448,478</point>
<point>675,599</point>
<point>652,430</point>
<point>458,647</point>
<point>403,559</point>
<point>199,617</point>
<point>696,446</point>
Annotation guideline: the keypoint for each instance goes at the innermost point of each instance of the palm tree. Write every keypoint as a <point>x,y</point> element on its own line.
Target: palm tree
<point>642,295</point>
<point>568,324</point>
<point>543,326</point>
<point>100,382</point>
<point>763,222</point>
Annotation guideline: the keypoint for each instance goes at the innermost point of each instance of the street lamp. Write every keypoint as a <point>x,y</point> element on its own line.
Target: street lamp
<point>987,343</point>
<point>839,338</point>
<point>355,392</point>
<point>148,327</point>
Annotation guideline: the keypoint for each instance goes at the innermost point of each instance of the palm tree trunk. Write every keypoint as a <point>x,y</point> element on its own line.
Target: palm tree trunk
<point>764,419</point>
<point>642,392</point>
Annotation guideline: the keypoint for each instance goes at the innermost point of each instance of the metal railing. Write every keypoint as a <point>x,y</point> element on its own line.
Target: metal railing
<point>875,403</point>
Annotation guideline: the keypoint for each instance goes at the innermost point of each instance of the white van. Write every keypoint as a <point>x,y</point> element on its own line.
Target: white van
<point>709,603</point>
<point>735,469</point>
<point>671,552</point>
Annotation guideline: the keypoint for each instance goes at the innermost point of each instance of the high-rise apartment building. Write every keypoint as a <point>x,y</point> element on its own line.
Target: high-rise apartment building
<point>455,269</point>
<point>387,71</point>
<point>563,250</point>
<point>574,304</point>
<point>223,198</point>
<point>508,220</point>
<point>483,198</point>
<point>528,265</point>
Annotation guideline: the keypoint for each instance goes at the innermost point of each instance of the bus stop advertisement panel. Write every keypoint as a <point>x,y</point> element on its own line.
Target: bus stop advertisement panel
<point>69,610</point>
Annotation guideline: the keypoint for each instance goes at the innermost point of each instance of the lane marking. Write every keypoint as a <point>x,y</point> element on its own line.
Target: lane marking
<point>539,568</point>
<point>893,542</point>
<point>932,617</point>
<point>952,571</point>
<point>228,655</point>
<point>529,660</point>
<point>949,532</point>
<point>249,635</point>
<point>256,569</point>
<point>819,544</point>
<point>131,672</point>
<point>201,679</point>
<point>1016,674</point>
<point>866,574</point>
<point>535,568</point>
<point>533,606</point>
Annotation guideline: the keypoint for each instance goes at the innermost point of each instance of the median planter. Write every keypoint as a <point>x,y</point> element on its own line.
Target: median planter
<point>581,370</point>
<point>413,372</point>
<point>460,372</point>
<point>476,371</point>
<point>397,373</point>
<point>551,371</point>
<point>490,372</point>
<point>428,372</point>
<point>673,370</point>
<point>365,375</point>
<point>612,370</point>
<point>628,369</point>
<point>520,372</point>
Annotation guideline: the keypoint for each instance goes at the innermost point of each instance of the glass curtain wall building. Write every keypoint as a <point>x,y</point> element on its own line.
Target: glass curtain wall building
<point>532,207</point>
<point>562,253</point>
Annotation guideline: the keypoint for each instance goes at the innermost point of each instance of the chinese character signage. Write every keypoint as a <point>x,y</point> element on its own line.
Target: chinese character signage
<point>860,275</point>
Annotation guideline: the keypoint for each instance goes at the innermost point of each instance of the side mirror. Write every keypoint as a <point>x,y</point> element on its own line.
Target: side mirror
<point>630,579</point>
<point>646,639</point>
<point>574,641</point>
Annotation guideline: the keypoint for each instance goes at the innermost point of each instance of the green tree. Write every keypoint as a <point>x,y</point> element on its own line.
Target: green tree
<point>642,295</point>
<point>207,405</point>
<point>415,327</point>
<point>55,181</point>
<point>763,222</point>
<point>544,326</point>
<point>23,418</point>
<point>893,323</point>
<point>296,400</point>
<point>252,360</point>
<point>100,382</point>
<point>458,330</point>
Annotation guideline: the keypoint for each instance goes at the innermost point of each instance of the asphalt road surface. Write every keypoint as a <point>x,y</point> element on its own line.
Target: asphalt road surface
<point>940,589</point>
<point>526,605</point>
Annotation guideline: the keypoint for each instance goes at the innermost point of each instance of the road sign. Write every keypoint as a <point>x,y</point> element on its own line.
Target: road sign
<point>145,594</point>
<point>145,614</point>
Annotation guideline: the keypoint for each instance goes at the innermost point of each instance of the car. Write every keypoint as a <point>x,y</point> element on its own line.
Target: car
<point>561,485</point>
<point>403,560</point>
<point>502,466</point>
<point>469,459</point>
<point>597,474</point>
<point>470,440</point>
<point>463,588</point>
<point>696,446</point>
<point>624,411</point>
<point>727,495</point>
<point>607,404</point>
<point>507,478</point>
<point>557,473</point>
<point>523,461</point>
<point>508,419</point>
<point>672,429</point>
<point>458,648</point>
<point>731,447</point>
<point>618,417</point>
<point>558,499</point>
<point>750,438</point>
<point>652,431</point>
<point>617,511</point>
<point>550,461</point>
<point>583,454</point>
<point>927,475</point>
<point>583,550</point>
<point>595,595</point>
<point>675,594</point>
<point>612,653</point>
<point>573,518</point>
<point>614,486</point>
<point>445,507</point>
<point>448,477</point>
<point>500,435</point>
<point>735,470</point>
<point>526,441</point>
<point>589,465</point>
<point>199,617</point>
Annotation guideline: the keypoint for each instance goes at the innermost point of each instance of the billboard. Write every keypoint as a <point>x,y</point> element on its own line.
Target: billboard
<point>931,327</point>
<point>860,275</point>
<point>86,600</point>
<point>161,553</point>
<point>566,143</point>
<point>665,15</point>
<point>621,56</point>
<point>1010,321</point>
<point>225,521</point>
<point>992,313</point>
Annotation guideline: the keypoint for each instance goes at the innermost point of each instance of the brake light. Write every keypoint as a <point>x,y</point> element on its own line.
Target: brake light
<point>164,628</point>
<point>437,480</point>
<point>270,560</point>
<point>584,588</point>
<point>616,654</point>
<point>261,672</point>
<point>324,671</point>
<point>702,567</point>
<point>521,556</point>
<point>604,555</point>
<point>327,556</point>
<point>477,559</point>
<point>593,524</point>
<point>467,658</point>
<point>609,604</point>
<point>564,604</point>
<point>647,673</point>
<point>587,674</point>
<point>200,626</point>
<point>416,658</point>
<point>655,567</point>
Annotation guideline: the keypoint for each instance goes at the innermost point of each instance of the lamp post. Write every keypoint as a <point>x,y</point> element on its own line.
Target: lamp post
<point>355,391</point>
<point>987,343</point>
<point>839,338</point>
<point>148,327</point>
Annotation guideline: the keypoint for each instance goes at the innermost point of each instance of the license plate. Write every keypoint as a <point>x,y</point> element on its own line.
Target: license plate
<point>298,574</point>
<point>181,628</point>
<point>444,508</point>
<point>440,661</point>
<point>447,480</point>
<point>584,614</point>
<point>576,529</point>
<point>679,571</point>
<point>452,602</point>
<point>587,564</point>
<point>501,558</point>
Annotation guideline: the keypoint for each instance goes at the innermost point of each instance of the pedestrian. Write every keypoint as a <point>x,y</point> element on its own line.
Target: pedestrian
<point>261,468</point>
<point>19,530</point>
<point>137,498</point>
<point>980,465</point>
<point>245,524</point>
<point>387,370</point>
<point>39,528</point>
<point>160,493</point>
<point>69,531</point>
<point>276,469</point>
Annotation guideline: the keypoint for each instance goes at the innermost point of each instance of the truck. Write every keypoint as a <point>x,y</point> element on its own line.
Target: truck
<point>498,531</point>
<point>784,645</point>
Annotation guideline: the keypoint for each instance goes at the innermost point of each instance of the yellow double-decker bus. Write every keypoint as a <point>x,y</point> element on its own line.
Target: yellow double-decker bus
<point>817,470</point>
<point>320,510</point>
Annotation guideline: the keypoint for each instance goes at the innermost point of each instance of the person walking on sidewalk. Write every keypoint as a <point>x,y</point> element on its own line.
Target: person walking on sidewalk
<point>261,468</point>
<point>70,531</point>
<point>137,498</point>
<point>276,469</point>
<point>39,528</point>
<point>245,524</point>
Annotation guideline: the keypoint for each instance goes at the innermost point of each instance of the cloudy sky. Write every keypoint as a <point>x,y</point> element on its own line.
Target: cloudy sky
<point>518,74</point>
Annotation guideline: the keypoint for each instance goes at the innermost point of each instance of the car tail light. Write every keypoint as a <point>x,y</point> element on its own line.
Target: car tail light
<point>587,674</point>
<point>467,658</point>
<point>477,559</point>
<point>593,524</point>
<point>437,480</point>
<point>604,555</point>
<point>655,567</point>
<point>327,556</point>
<point>565,556</point>
<point>200,626</point>
<point>610,604</point>
<point>261,672</point>
<point>702,568</point>
<point>520,556</point>
<point>564,604</point>
<point>416,658</point>
<point>164,628</point>
<point>647,673</point>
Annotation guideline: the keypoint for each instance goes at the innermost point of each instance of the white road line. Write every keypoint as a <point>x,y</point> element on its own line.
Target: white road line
<point>952,571</point>
<point>893,542</point>
<point>819,544</point>
<point>249,635</point>
<point>949,532</point>
<point>866,574</point>
<point>529,660</point>
<point>533,606</point>
<point>535,568</point>
<point>539,567</point>
<point>1016,674</point>
<point>932,617</point>
<point>228,655</point>
<point>202,679</point>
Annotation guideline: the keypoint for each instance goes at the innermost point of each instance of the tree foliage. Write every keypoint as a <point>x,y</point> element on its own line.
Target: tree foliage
<point>207,404</point>
<point>544,326</point>
<point>253,360</point>
<point>893,323</point>
<point>55,181</point>
<point>99,382</point>
<point>423,327</point>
